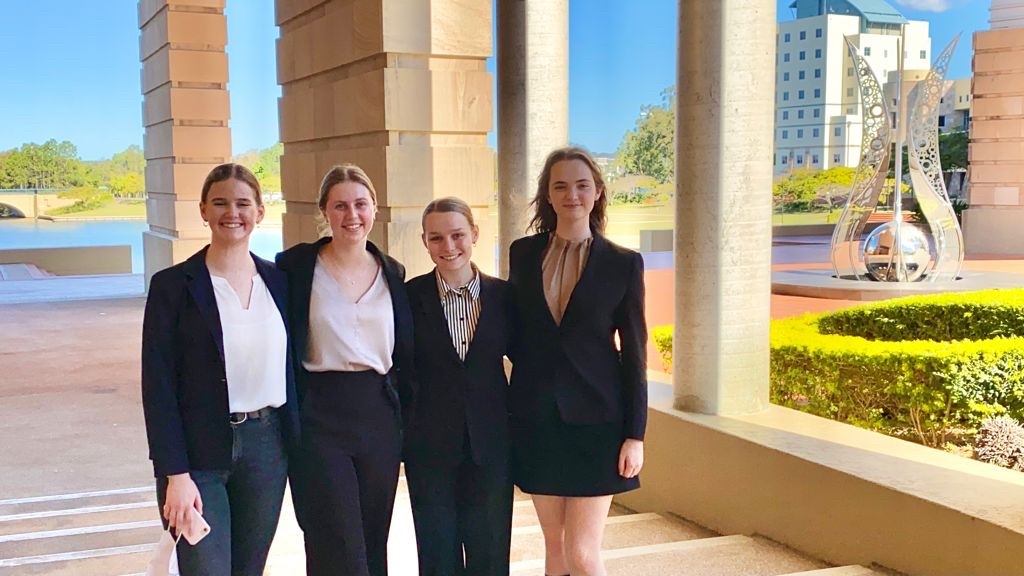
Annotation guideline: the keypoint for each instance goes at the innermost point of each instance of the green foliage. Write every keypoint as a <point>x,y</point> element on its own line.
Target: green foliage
<point>86,198</point>
<point>953,150</point>
<point>809,190</point>
<point>649,149</point>
<point>924,390</point>
<point>51,164</point>
<point>954,316</point>
<point>662,336</point>
<point>265,165</point>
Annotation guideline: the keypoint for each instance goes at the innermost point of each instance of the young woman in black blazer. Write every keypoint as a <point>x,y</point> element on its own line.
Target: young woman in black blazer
<point>578,395</point>
<point>352,332</point>
<point>217,387</point>
<point>456,459</point>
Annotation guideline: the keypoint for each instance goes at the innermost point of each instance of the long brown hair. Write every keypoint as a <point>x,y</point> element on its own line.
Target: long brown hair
<point>227,172</point>
<point>544,217</point>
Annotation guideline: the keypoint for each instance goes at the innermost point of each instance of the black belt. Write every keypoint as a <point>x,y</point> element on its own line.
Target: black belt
<point>239,417</point>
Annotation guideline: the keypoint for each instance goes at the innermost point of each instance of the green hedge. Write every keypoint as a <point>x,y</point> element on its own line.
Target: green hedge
<point>925,390</point>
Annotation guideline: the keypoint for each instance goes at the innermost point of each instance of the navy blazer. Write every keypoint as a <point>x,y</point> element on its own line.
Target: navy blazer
<point>298,264</point>
<point>184,381</point>
<point>575,366</point>
<point>459,397</point>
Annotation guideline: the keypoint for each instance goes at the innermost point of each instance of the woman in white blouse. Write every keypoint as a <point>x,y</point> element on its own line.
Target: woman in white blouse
<point>217,387</point>
<point>353,337</point>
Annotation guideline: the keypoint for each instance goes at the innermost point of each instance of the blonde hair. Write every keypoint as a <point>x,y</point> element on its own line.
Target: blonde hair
<point>344,173</point>
<point>445,205</point>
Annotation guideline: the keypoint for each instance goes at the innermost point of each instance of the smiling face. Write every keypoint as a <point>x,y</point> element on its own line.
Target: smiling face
<point>350,211</point>
<point>449,239</point>
<point>232,210</point>
<point>572,191</point>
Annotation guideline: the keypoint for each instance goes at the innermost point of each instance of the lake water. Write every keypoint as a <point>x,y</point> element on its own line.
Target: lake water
<point>28,233</point>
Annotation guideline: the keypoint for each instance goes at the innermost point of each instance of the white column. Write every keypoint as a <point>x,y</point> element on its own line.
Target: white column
<point>725,121</point>
<point>533,105</point>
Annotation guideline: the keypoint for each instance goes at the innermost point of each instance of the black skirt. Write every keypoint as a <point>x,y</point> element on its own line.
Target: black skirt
<point>553,458</point>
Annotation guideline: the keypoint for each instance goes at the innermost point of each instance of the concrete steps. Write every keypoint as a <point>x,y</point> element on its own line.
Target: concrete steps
<point>112,533</point>
<point>22,272</point>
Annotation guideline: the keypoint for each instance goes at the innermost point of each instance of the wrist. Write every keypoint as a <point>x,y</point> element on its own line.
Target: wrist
<point>178,478</point>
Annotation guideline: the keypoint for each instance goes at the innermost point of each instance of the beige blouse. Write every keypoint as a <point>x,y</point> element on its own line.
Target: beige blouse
<point>563,264</point>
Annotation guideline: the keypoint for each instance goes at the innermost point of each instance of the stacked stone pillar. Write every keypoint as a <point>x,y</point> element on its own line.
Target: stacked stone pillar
<point>399,87</point>
<point>185,114</point>
<point>725,123</point>
<point>992,223</point>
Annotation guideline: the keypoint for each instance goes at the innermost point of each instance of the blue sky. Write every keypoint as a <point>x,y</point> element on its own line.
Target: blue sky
<point>72,68</point>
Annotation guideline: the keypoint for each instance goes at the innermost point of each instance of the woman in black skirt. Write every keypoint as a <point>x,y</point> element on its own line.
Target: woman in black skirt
<point>578,396</point>
<point>353,336</point>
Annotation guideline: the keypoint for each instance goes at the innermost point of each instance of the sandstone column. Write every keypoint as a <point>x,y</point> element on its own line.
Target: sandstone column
<point>399,87</point>
<point>992,224</point>
<point>533,105</point>
<point>724,122</point>
<point>185,113</point>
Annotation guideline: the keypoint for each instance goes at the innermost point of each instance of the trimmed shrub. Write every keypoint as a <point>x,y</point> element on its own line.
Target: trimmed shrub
<point>921,389</point>
<point>1000,441</point>
<point>662,336</point>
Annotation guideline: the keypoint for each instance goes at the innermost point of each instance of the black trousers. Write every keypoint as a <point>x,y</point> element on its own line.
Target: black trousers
<point>462,512</point>
<point>351,450</point>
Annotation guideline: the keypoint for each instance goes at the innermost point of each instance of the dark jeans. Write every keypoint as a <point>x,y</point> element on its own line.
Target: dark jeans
<point>351,453</point>
<point>463,516</point>
<point>242,505</point>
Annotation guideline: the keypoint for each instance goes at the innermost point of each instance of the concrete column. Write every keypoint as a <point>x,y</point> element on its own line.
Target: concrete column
<point>399,87</point>
<point>996,150</point>
<point>185,113</point>
<point>533,105</point>
<point>725,121</point>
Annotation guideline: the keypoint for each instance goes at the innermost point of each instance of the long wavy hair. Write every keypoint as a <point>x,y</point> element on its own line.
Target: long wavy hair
<point>544,217</point>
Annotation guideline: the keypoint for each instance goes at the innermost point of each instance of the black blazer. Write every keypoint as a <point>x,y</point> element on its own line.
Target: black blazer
<point>456,396</point>
<point>298,263</point>
<point>184,383</point>
<point>575,366</point>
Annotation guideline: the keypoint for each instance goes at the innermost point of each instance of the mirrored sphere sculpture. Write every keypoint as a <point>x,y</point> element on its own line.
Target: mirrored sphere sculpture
<point>897,252</point>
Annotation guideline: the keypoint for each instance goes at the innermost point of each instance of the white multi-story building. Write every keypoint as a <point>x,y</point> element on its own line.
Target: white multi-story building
<point>818,110</point>
<point>955,108</point>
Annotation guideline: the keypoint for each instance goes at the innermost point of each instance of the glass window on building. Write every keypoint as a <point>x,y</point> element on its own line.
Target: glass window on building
<point>816,132</point>
<point>849,110</point>
<point>817,32</point>
<point>800,95</point>
<point>799,158</point>
<point>786,37</point>
<point>785,159</point>
<point>942,121</point>
<point>785,57</point>
<point>799,114</point>
<point>849,93</point>
<point>924,54</point>
<point>785,134</point>
<point>867,50</point>
<point>814,159</point>
<point>800,133</point>
<point>803,55</point>
<point>836,158</point>
<point>785,95</point>
<point>817,52</point>
<point>785,114</point>
<point>817,92</point>
<point>803,35</point>
<point>849,71</point>
<point>838,131</point>
<point>801,74</point>
<point>817,113</point>
<point>785,76</point>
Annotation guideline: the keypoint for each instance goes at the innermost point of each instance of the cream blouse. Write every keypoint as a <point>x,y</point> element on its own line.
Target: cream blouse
<point>562,266</point>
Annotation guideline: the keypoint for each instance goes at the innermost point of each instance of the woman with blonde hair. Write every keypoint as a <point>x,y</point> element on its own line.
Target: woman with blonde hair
<point>578,396</point>
<point>353,339</point>
<point>217,387</point>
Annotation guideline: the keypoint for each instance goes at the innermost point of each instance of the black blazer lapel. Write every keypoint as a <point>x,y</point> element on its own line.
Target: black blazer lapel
<point>484,325</point>
<point>429,304</point>
<point>585,286</point>
<point>200,286</point>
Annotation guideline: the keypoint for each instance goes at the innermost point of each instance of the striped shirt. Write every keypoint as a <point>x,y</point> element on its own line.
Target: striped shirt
<point>462,310</point>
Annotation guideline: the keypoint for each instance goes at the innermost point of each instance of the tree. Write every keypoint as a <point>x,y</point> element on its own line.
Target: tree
<point>51,164</point>
<point>649,149</point>
<point>808,189</point>
<point>953,151</point>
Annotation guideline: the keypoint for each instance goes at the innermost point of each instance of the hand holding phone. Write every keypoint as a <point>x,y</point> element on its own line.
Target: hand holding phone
<point>196,528</point>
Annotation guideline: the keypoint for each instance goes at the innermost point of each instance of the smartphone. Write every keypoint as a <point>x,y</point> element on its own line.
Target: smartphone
<point>197,529</point>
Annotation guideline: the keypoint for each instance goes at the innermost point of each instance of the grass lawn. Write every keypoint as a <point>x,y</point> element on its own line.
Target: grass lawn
<point>132,209</point>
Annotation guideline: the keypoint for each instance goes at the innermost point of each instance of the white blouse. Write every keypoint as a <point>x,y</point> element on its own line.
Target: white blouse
<point>255,346</point>
<point>346,336</point>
